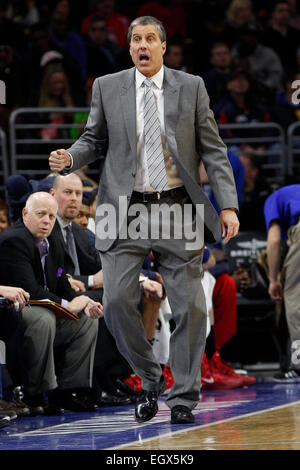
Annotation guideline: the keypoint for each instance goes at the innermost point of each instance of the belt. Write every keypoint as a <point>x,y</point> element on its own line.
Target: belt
<point>149,197</point>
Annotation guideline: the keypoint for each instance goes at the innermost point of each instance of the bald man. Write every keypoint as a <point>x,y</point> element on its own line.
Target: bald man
<point>28,261</point>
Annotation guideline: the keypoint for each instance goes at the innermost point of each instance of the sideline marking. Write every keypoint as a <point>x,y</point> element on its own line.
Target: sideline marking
<point>185,431</point>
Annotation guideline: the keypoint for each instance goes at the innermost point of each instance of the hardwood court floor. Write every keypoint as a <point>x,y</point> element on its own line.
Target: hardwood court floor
<point>278,429</point>
<point>265,416</point>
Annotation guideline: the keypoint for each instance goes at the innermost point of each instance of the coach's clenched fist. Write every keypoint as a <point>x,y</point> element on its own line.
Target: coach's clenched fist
<point>58,160</point>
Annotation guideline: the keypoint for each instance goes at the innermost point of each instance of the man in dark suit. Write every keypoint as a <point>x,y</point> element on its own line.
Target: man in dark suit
<point>29,262</point>
<point>82,264</point>
<point>85,274</point>
<point>153,125</point>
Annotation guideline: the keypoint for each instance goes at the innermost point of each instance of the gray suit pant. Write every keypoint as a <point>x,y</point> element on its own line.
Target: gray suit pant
<point>181,270</point>
<point>292,293</point>
<point>42,332</point>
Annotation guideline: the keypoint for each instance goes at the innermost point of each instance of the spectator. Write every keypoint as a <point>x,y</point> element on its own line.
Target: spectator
<point>83,216</point>
<point>10,32</point>
<point>62,36</point>
<point>282,211</point>
<point>100,60</point>
<point>212,29</point>
<point>41,53</point>
<point>11,75</point>
<point>281,37</point>
<point>264,64</point>
<point>117,23</point>
<point>255,192</point>
<point>54,93</point>
<point>216,373</point>
<point>81,262</point>
<point>67,190</point>
<point>18,189</point>
<point>238,173</point>
<point>25,13</point>
<point>4,216</point>
<point>55,90</point>
<point>239,13</point>
<point>240,106</point>
<point>173,57</point>
<point>216,78</point>
<point>175,24</point>
<point>294,13</point>
<point>40,273</point>
<point>284,111</point>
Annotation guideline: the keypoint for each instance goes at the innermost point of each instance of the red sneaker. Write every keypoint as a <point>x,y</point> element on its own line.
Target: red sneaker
<point>134,382</point>
<point>247,379</point>
<point>168,377</point>
<point>222,378</point>
<point>207,379</point>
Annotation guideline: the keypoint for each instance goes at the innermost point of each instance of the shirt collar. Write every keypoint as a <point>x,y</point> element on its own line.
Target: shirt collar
<point>63,224</point>
<point>157,78</point>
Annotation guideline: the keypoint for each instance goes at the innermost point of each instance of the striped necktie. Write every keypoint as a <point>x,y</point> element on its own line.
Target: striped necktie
<point>153,145</point>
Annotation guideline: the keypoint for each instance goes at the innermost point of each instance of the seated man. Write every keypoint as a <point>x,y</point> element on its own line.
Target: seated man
<point>28,261</point>
<point>81,260</point>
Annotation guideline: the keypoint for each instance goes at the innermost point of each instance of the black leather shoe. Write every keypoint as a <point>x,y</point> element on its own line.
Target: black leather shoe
<point>35,404</point>
<point>146,408</point>
<point>39,406</point>
<point>113,399</point>
<point>74,402</point>
<point>181,414</point>
<point>53,409</point>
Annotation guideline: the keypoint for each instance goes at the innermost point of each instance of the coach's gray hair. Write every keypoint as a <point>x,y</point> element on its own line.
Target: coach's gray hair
<point>145,20</point>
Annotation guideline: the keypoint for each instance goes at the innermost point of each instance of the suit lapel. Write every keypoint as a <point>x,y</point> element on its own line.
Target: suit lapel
<point>128,102</point>
<point>171,100</point>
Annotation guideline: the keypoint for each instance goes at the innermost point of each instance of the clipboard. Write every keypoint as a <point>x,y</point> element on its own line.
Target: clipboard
<point>60,312</point>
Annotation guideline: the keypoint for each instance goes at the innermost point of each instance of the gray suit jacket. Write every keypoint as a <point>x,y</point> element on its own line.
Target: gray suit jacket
<point>191,135</point>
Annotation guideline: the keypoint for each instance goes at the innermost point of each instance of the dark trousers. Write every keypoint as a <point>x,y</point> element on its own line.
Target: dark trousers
<point>11,332</point>
<point>109,364</point>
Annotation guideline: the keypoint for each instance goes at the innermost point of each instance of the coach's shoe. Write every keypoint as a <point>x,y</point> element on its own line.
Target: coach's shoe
<point>146,408</point>
<point>181,414</point>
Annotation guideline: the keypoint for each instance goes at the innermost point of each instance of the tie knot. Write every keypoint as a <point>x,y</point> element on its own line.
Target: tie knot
<point>148,82</point>
<point>43,248</point>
